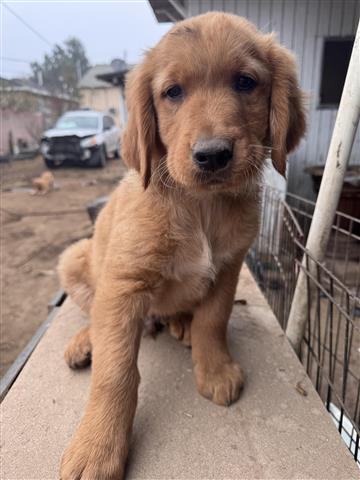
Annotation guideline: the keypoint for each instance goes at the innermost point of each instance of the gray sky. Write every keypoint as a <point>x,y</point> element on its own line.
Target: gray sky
<point>106,29</point>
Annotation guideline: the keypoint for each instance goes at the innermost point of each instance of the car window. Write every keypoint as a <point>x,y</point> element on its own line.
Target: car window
<point>72,122</point>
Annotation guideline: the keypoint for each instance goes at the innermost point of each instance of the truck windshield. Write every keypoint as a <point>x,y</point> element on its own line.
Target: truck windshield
<point>76,122</point>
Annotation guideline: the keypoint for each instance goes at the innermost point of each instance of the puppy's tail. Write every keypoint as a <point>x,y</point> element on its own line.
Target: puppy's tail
<point>75,273</point>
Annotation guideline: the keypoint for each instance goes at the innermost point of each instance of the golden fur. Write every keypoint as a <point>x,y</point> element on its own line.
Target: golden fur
<point>171,242</point>
<point>43,184</point>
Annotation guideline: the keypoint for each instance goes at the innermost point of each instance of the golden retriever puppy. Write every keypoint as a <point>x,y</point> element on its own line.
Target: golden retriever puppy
<point>205,106</point>
<point>43,184</point>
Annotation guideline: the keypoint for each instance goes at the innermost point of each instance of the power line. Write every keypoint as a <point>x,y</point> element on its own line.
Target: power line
<point>11,73</point>
<point>27,25</point>
<point>16,60</point>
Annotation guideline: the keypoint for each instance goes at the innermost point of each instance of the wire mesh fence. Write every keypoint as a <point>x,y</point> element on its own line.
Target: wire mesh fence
<point>330,349</point>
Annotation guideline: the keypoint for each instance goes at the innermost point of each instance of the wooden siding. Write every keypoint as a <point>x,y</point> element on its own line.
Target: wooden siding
<point>301,25</point>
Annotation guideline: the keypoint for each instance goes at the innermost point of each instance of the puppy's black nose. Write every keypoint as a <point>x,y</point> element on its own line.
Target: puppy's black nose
<point>213,154</point>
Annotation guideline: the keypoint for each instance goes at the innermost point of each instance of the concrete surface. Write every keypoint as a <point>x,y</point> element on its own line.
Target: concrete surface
<point>271,432</point>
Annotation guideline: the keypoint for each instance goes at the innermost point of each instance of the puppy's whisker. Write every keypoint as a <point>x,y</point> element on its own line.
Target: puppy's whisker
<point>162,173</point>
<point>165,178</point>
<point>253,164</point>
<point>266,147</point>
<point>249,124</point>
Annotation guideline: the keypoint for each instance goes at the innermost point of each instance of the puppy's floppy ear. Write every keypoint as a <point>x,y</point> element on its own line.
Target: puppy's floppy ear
<point>287,112</point>
<point>140,138</point>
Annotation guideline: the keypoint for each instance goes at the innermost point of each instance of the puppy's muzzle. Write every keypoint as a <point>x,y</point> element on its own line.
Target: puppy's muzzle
<point>213,154</point>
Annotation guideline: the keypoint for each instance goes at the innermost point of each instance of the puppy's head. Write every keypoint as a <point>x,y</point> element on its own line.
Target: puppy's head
<point>209,102</point>
<point>48,176</point>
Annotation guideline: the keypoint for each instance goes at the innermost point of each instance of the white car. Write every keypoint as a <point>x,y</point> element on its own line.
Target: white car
<point>82,137</point>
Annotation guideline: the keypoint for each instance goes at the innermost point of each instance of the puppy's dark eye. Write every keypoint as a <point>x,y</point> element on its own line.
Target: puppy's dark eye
<point>243,83</point>
<point>175,92</point>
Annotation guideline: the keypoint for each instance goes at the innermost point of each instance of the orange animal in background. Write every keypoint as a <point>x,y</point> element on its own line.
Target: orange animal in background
<point>43,184</point>
<point>205,107</point>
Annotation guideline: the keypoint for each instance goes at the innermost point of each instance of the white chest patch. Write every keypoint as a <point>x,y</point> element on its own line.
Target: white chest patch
<point>194,259</point>
<point>205,263</point>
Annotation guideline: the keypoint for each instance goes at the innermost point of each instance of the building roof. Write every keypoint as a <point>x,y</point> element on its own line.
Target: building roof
<point>91,80</point>
<point>20,82</point>
<point>116,74</point>
<point>168,10</point>
<point>29,86</point>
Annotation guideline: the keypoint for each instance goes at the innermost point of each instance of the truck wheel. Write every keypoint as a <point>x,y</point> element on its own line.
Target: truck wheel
<point>50,163</point>
<point>98,158</point>
<point>102,159</point>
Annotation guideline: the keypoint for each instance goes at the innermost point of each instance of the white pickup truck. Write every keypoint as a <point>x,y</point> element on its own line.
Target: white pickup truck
<point>82,137</point>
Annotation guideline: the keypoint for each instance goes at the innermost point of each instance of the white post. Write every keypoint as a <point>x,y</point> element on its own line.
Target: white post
<point>123,114</point>
<point>329,194</point>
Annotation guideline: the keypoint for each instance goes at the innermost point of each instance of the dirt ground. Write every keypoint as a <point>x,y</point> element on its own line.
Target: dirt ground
<point>33,235</point>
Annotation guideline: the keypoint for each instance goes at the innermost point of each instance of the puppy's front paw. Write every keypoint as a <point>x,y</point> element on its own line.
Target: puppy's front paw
<point>221,384</point>
<point>93,456</point>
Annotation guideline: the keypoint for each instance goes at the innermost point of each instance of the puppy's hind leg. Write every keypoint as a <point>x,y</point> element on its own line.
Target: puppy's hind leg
<point>74,272</point>
<point>78,350</point>
<point>180,328</point>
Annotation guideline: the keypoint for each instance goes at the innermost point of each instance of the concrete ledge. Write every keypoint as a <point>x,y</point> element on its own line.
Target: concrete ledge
<point>271,432</point>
